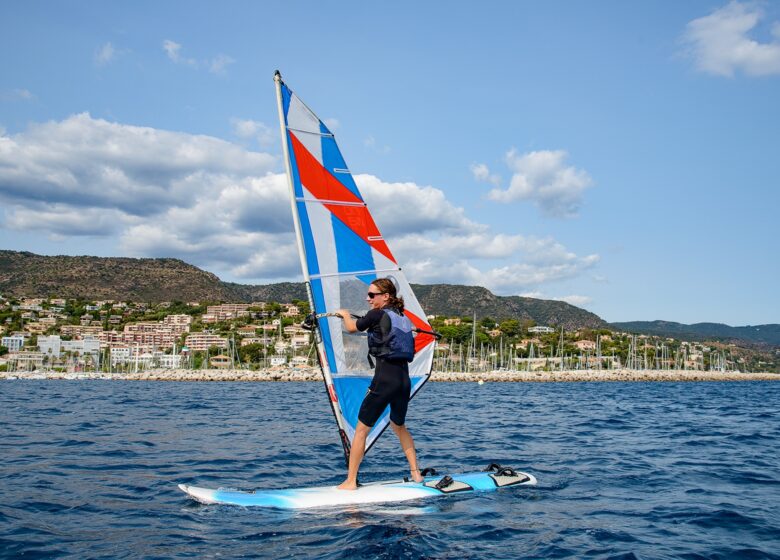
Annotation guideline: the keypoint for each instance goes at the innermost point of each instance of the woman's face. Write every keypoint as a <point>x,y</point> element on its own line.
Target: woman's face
<point>376,299</point>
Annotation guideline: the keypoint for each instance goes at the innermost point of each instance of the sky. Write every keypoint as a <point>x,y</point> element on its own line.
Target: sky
<point>621,156</point>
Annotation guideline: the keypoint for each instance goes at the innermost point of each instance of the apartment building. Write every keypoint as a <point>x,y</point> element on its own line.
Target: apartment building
<point>225,312</point>
<point>14,343</point>
<point>80,331</point>
<point>199,342</point>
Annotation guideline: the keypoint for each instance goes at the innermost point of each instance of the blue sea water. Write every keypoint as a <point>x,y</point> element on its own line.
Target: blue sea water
<point>88,469</point>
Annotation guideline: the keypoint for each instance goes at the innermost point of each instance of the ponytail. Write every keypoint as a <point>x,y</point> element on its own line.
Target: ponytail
<point>387,287</point>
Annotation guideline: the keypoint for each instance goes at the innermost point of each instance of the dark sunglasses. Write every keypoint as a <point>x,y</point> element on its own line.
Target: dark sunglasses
<point>372,294</point>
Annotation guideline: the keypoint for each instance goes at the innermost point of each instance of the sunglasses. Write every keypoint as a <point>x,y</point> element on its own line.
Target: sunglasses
<point>371,295</point>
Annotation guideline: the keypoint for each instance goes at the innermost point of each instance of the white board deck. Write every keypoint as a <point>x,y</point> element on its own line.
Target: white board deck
<point>377,492</point>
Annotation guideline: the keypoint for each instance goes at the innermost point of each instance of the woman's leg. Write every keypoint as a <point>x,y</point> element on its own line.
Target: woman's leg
<point>356,453</point>
<point>407,444</point>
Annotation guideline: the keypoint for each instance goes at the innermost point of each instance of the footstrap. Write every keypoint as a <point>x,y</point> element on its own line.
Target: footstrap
<point>444,482</point>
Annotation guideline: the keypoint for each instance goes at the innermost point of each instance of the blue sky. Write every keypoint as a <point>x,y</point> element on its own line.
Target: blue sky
<point>621,156</point>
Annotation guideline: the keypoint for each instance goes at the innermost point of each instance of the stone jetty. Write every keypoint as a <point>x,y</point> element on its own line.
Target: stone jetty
<point>313,374</point>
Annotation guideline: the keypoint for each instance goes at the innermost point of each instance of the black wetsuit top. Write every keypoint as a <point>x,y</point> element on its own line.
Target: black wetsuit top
<point>390,385</point>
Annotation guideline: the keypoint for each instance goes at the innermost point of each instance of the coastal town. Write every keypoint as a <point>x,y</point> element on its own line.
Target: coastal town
<point>74,338</point>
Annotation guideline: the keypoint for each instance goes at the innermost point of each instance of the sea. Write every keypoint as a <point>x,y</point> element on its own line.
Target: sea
<point>89,469</point>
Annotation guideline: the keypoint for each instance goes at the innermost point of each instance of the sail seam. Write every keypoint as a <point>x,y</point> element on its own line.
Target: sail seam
<point>334,202</point>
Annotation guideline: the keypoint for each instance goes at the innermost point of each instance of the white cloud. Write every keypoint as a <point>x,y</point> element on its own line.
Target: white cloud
<point>105,54</point>
<point>579,301</point>
<point>245,227</point>
<point>371,143</point>
<point>719,43</point>
<point>503,280</point>
<point>83,161</point>
<point>482,173</point>
<point>219,206</point>
<point>247,128</point>
<point>17,94</point>
<point>65,220</point>
<point>410,208</point>
<point>543,178</point>
<point>218,64</point>
<point>173,50</point>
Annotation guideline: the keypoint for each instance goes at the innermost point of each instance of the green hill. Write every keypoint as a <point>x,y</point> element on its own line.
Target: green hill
<point>155,280</point>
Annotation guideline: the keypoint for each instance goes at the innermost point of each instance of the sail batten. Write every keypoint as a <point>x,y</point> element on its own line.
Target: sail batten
<point>342,251</point>
<point>335,202</point>
<point>325,134</point>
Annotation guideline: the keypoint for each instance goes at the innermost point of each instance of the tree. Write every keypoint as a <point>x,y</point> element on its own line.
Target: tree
<point>510,327</point>
<point>273,308</point>
<point>252,353</point>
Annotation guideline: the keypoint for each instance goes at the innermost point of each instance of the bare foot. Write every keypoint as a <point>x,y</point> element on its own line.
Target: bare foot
<point>347,485</point>
<point>417,477</point>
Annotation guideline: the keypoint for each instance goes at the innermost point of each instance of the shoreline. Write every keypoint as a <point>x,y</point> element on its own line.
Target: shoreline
<point>312,375</point>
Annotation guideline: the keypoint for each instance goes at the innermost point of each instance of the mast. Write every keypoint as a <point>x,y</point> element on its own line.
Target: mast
<point>322,358</point>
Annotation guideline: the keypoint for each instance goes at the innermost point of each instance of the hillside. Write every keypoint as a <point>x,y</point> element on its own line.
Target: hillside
<point>452,300</point>
<point>155,280</point>
<point>757,334</point>
<point>129,279</point>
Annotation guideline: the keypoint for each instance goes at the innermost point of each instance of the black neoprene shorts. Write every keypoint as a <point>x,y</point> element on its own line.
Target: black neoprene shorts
<point>390,386</point>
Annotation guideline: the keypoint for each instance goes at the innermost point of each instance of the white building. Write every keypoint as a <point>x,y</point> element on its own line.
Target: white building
<point>299,341</point>
<point>170,361</point>
<point>50,345</point>
<point>278,360</point>
<point>87,345</point>
<point>14,343</point>
<point>120,355</point>
<point>540,329</point>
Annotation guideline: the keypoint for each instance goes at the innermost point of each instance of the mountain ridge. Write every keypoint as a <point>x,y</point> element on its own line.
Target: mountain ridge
<point>168,279</point>
<point>768,334</point>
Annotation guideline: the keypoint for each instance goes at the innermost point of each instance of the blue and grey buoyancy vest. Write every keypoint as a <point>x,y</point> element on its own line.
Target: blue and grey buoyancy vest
<point>395,340</point>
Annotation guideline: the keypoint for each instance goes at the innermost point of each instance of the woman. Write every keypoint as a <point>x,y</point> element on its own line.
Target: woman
<point>391,343</point>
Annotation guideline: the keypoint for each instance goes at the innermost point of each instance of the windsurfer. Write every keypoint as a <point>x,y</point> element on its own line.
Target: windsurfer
<point>391,384</point>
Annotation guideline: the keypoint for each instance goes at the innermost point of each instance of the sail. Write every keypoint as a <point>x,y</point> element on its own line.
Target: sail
<point>342,252</point>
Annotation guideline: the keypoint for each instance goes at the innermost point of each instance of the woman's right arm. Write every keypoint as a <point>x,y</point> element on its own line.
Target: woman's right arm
<point>349,322</point>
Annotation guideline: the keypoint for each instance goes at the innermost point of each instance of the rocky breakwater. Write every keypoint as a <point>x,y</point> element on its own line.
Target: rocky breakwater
<point>313,374</point>
<point>603,375</point>
<point>272,374</point>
